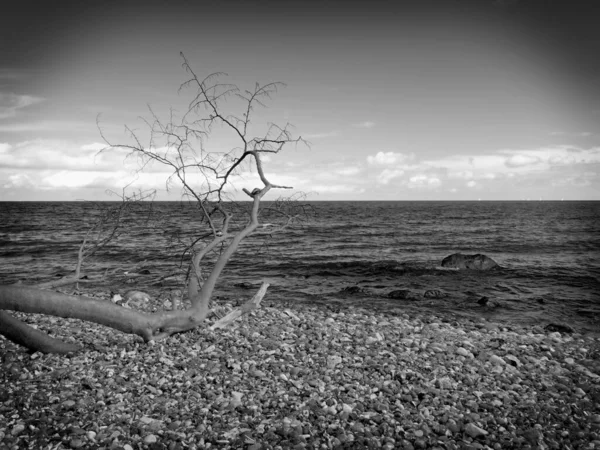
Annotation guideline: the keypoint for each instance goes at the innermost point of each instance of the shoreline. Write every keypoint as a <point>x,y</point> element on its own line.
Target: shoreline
<point>304,376</point>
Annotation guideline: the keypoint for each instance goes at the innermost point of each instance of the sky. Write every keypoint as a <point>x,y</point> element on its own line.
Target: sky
<point>403,100</point>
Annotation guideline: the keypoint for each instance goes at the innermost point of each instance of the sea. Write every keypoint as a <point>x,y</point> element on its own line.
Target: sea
<point>342,254</point>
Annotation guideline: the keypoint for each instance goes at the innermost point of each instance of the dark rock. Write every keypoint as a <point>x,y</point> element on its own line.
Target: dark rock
<point>486,301</point>
<point>469,262</point>
<point>403,294</point>
<point>561,328</point>
<point>434,293</point>
<point>354,290</point>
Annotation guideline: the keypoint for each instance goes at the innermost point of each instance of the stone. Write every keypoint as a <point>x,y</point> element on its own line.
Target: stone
<point>150,439</point>
<point>354,290</point>
<point>76,443</point>
<point>558,327</point>
<point>136,296</point>
<point>435,293</point>
<point>333,361</point>
<point>474,431</point>
<point>464,352</point>
<point>469,262</point>
<point>402,294</point>
<point>486,301</point>
<point>497,360</point>
<point>513,360</point>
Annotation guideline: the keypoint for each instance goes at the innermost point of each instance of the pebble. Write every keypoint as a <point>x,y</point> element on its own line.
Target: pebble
<point>310,376</point>
<point>464,352</point>
<point>497,360</point>
<point>76,443</point>
<point>474,431</point>
<point>333,361</point>
<point>150,439</point>
<point>17,429</point>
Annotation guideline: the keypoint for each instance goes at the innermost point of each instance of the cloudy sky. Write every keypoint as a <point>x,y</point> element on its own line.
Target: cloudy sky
<point>406,100</point>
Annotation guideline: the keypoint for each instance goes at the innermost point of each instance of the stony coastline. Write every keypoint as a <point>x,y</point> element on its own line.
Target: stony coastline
<point>305,376</point>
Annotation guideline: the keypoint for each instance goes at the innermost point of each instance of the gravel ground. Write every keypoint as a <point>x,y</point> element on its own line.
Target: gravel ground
<point>306,377</point>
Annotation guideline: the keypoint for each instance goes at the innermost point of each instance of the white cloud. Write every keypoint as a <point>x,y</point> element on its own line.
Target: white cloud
<point>471,184</point>
<point>424,181</point>
<point>506,161</point>
<point>466,174</point>
<point>10,103</point>
<point>70,179</point>
<point>347,171</point>
<point>388,175</point>
<point>18,181</point>
<point>337,189</point>
<point>96,146</point>
<point>521,160</point>
<point>389,158</point>
<point>57,154</point>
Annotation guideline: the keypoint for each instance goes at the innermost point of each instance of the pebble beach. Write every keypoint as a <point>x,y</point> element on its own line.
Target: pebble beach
<point>306,377</point>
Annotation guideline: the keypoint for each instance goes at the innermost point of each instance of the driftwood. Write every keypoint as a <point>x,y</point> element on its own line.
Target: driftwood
<point>249,306</point>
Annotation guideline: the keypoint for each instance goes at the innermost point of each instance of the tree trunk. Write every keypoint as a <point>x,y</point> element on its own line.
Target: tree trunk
<point>22,334</point>
<point>148,326</point>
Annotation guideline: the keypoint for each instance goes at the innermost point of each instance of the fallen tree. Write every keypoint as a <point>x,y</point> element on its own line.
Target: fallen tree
<point>204,177</point>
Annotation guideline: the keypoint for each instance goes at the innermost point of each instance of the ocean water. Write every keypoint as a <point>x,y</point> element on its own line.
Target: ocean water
<point>348,253</point>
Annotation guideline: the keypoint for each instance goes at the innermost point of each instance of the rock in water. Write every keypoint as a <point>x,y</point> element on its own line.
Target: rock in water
<point>560,327</point>
<point>403,294</point>
<point>435,293</point>
<point>354,290</point>
<point>470,262</point>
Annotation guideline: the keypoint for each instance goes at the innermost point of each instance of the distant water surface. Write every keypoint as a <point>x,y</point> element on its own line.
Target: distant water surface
<point>549,251</point>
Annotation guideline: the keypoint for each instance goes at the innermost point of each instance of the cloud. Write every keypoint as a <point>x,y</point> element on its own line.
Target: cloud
<point>45,125</point>
<point>465,174</point>
<point>424,181</point>
<point>337,189</point>
<point>389,158</point>
<point>506,161</point>
<point>347,171</point>
<point>388,175</point>
<point>19,180</point>
<point>366,124</point>
<point>96,146</point>
<point>548,156</point>
<point>10,103</point>
<point>521,160</point>
<point>43,154</point>
<point>471,184</point>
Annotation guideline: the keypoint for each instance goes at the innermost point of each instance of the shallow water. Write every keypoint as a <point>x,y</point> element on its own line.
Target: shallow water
<point>549,252</point>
